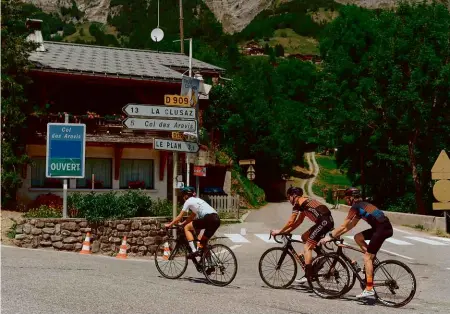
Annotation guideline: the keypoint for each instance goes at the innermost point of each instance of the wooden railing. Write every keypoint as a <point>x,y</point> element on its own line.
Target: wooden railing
<point>223,203</point>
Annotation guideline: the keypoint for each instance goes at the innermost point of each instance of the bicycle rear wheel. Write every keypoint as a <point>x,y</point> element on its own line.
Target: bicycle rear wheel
<point>171,259</point>
<point>331,276</point>
<point>388,279</point>
<point>270,267</point>
<point>219,265</point>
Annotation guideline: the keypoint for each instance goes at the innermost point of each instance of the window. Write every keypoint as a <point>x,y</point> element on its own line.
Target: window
<point>102,170</point>
<point>38,179</point>
<point>136,173</point>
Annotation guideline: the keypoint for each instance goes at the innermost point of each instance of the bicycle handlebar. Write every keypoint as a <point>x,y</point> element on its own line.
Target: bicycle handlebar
<point>178,226</point>
<point>287,235</point>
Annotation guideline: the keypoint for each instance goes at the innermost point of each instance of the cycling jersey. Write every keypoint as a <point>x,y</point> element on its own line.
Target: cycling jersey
<point>368,212</point>
<point>312,209</point>
<point>198,206</point>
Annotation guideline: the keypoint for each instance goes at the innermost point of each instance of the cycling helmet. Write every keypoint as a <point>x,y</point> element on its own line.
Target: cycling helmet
<point>188,190</point>
<point>353,192</point>
<point>293,190</point>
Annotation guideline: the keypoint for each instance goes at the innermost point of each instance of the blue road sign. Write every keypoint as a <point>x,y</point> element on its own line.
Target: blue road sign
<point>66,145</point>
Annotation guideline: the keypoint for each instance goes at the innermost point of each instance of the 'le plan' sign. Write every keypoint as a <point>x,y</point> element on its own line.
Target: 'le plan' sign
<point>66,144</point>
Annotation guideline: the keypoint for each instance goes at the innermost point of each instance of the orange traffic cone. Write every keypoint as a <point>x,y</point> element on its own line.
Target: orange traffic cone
<point>86,249</point>
<point>123,249</point>
<point>166,251</point>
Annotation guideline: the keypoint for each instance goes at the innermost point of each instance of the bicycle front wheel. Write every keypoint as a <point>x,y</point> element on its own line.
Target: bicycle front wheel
<point>171,259</point>
<point>394,283</point>
<point>331,277</point>
<point>219,265</point>
<point>277,268</point>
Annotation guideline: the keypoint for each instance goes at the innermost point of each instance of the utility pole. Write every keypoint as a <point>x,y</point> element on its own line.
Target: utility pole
<point>181,27</point>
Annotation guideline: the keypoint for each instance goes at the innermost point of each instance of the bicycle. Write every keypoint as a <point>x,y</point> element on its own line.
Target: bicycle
<point>380,268</point>
<point>287,253</point>
<point>175,253</point>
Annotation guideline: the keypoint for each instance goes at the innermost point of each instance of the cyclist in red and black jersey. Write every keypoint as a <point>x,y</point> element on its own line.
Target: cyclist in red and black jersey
<point>317,213</point>
<point>380,230</point>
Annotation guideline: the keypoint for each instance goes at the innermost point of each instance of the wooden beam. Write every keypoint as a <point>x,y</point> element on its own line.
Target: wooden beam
<point>118,150</point>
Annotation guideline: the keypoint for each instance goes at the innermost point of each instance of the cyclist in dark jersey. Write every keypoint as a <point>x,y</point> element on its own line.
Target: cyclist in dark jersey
<point>317,213</point>
<point>380,230</point>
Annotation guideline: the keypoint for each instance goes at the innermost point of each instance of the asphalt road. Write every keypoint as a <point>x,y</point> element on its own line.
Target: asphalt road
<point>45,281</point>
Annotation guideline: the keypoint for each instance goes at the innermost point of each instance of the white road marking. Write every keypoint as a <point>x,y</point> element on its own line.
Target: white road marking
<point>236,238</point>
<point>427,241</point>
<point>441,239</point>
<point>398,242</point>
<point>399,230</point>
<point>265,237</point>
<point>448,268</point>
<point>396,254</point>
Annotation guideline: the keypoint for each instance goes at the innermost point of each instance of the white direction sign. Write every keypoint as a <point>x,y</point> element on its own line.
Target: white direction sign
<point>161,124</point>
<point>133,110</point>
<point>178,146</point>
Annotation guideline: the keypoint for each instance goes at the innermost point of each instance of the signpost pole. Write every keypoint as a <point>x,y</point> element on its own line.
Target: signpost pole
<point>174,196</point>
<point>190,75</point>
<point>188,173</point>
<point>66,120</point>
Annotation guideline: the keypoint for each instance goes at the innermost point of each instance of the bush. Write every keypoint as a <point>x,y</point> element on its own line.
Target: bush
<point>113,205</point>
<point>50,200</point>
<point>43,212</point>
<point>162,208</point>
<point>404,204</point>
<point>69,29</point>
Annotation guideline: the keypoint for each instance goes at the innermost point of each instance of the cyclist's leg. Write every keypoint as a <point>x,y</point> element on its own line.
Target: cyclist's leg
<point>317,232</point>
<point>188,231</point>
<point>380,234</point>
<point>362,236</point>
<point>212,223</point>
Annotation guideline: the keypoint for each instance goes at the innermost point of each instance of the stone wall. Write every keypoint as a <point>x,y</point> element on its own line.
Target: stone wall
<point>143,234</point>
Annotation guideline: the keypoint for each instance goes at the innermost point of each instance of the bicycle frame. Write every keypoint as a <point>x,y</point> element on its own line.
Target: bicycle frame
<point>182,241</point>
<point>347,259</point>
<point>288,247</point>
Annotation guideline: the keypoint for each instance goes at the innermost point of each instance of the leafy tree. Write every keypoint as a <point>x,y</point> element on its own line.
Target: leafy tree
<point>69,29</point>
<point>256,111</point>
<point>15,64</point>
<point>279,50</point>
<point>385,87</point>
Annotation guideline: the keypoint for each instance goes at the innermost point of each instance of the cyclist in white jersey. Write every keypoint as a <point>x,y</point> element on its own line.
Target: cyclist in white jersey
<point>207,218</point>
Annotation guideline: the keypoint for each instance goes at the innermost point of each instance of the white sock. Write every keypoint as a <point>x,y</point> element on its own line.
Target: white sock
<point>191,244</point>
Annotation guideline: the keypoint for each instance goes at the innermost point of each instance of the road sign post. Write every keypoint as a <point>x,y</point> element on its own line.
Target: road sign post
<point>65,158</point>
<point>441,189</point>
<point>176,146</point>
<point>136,110</point>
<point>160,124</point>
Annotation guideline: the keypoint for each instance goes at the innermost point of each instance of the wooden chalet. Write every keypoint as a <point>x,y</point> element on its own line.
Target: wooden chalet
<point>92,84</point>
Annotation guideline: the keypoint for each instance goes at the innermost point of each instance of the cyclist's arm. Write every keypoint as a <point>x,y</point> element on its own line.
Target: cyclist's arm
<point>189,219</point>
<point>295,221</point>
<point>177,219</point>
<point>346,226</point>
<point>350,221</point>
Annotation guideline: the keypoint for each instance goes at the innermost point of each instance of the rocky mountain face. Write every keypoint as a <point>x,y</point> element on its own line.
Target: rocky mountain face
<point>94,10</point>
<point>234,15</point>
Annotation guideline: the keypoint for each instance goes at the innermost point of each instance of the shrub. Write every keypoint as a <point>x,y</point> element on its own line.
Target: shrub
<point>162,208</point>
<point>113,205</point>
<point>43,212</point>
<point>50,200</point>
